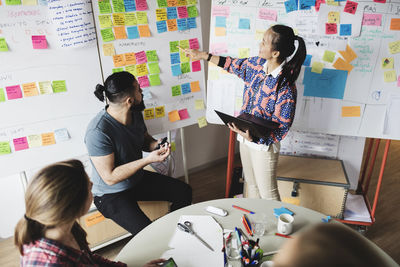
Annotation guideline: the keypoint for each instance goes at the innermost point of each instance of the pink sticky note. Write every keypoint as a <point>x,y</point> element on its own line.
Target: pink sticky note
<point>350,7</point>
<point>372,19</point>
<point>220,11</point>
<point>219,48</point>
<point>141,5</point>
<point>20,143</point>
<point>194,43</point>
<point>141,57</point>
<point>183,113</point>
<point>330,28</point>
<point>196,66</point>
<point>13,92</point>
<point>318,4</point>
<point>380,1</point>
<point>398,81</point>
<point>267,14</point>
<point>39,42</point>
<point>182,12</point>
<point>144,81</point>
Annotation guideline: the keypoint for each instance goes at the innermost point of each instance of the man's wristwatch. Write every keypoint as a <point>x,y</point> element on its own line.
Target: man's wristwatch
<point>209,57</point>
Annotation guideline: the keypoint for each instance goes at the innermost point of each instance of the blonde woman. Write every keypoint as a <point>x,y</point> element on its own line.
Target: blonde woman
<point>48,234</point>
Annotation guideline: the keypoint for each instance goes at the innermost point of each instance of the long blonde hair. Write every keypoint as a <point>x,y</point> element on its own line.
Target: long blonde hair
<point>56,195</point>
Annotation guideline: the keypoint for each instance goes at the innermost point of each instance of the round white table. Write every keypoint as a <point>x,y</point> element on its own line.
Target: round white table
<point>152,241</point>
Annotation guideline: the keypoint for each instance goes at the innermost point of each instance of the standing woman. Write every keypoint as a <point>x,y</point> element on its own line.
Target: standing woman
<point>270,93</point>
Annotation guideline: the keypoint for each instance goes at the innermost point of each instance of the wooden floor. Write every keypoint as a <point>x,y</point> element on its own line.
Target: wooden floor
<point>210,184</point>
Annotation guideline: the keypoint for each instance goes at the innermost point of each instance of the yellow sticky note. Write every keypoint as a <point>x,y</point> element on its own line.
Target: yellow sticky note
<point>105,21</point>
<point>317,67</point>
<point>259,35</point>
<point>199,104</point>
<point>329,56</point>
<point>292,200</point>
<point>348,55</point>
<point>141,17</point>
<point>119,60</point>
<point>130,58</point>
<point>130,19</point>
<point>144,30</point>
<point>173,146</point>
<point>108,49</point>
<point>390,76</point>
<point>202,122</point>
<point>195,86</point>
<point>148,113</point>
<point>48,139</point>
<point>394,47</point>
<point>34,140</point>
<point>173,116</point>
<point>220,31</point>
<point>29,2</point>
<point>118,19</point>
<point>160,111</point>
<point>30,89</point>
<point>332,2</point>
<point>340,64</point>
<point>351,111</point>
<point>120,32</point>
<point>94,218</point>
<point>141,70</point>
<point>333,17</point>
<point>45,88</point>
<point>244,52</point>
<point>387,63</point>
<point>131,69</point>
<point>161,14</point>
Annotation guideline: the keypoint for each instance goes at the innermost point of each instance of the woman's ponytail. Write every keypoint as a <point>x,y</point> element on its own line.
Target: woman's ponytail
<point>99,92</point>
<point>292,68</point>
<point>27,231</point>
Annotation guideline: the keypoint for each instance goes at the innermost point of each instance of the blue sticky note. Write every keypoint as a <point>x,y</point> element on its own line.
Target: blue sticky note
<point>306,4</point>
<point>329,84</point>
<point>220,21</point>
<point>129,5</point>
<point>182,24</point>
<point>171,13</point>
<point>244,24</point>
<point>175,59</point>
<point>191,23</point>
<point>133,32</point>
<point>42,2</point>
<point>176,70</point>
<point>161,26</point>
<point>185,88</point>
<point>307,61</point>
<point>290,5</point>
<point>282,210</point>
<point>345,29</point>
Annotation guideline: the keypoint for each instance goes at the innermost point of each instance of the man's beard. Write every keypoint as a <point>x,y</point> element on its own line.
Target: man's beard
<point>138,107</point>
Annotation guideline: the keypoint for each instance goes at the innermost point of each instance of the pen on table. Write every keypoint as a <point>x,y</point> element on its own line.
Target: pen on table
<point>246,226</point>
<point>286,236</point>
<point>248,223</point>
<point>242,209</point>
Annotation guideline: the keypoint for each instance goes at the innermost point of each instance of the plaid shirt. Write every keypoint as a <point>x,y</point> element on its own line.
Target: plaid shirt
<point>46,252</point>
<point>262,98</point>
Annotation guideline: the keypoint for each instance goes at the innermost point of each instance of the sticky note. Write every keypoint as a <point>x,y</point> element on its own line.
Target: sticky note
<point>141,69</point>
<point>394,47</point>
<point>119,60</point>
<point>184,43</point>
<point>244,24</point>
<point>202,122</point>
<point>153,68</point>
<point>118,5</point>
<point>317,67</point>
<point>34,140</point>
<point>183,57</point>
<point>351,111</point>
<point>39,42</point>
<point>107,35</point>
<point>220,21</point>
<point>28,2</point>
<point>176,70</point>
<point>333,17</point>
<point>130,19</point>
<point>350,7</point>
<point>340,64</point>
<point>154,79</point>
<point>30,89</point>
<point>330,28</point>
<point>61,135</point>
<point>219,31</point>
<point>160,111</point>
<point>395,24</point>
<point>108,49</point>
<point>267,14</point>
<point>185,88</point>
<point>94,218</point>
<point>13,92</point>
<point>192,11</point>
<point>105,21</point>
<point>175,58</point>
<point>291,200</point>
<point>173,116</point>
<point>171,25</point>
<point>195,86</point>
<point>143,81</point>
<point>329,56</point>
<point>144,30</point>
<point>244,52</point>
<point>141,5</point>
<point>130,58</point>
<point>2,95</point>
<point>148,113</point>
<point>290,5</point>
<point>141,17</point>
<point>372,19</point>
<point>59,86</point>
<point>45,87</point>
<point>387,63</point>
<point>185,67</point>
<point>172,13</point>
<point>199,104</point>
<point>130,5</point>
<point>151,55</point>
<point>182,12</point>
<point>118,19</point>
<point>306,4</point>
<point>131,69</point>
<point>20,143</point>
<point>133,32</point>
<point>48,139</point>
<point>120,32</point>
<point>191,23</point>
<point>183,114</point>
<point>307,61</point>
<point>162,3</point>
<point>345,29</point>
<point>318,4</point>
<point>349,55</point>
<point>191,2</point>
<point>117,70</point>
<point>182,24</point>
<point>380,1</point>
<point>141,57</point>
<point>176,90</point>
<point>161,26</point>
<point>3,45</point>
<point>194,43</point>
<point>5,148</point>
<point>389,76</point>
<point>332,2</point>
<point>13,2</point>
<point>173,46</point>
<point>161,14</point>
<point>196,66</point>
<point>398,82</point>
<point>104,6</point>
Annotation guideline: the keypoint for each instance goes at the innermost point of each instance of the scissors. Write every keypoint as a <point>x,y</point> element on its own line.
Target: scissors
<point>187,227</point>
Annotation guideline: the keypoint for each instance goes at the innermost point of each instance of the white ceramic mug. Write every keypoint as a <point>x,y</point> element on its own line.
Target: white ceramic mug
<point>285,224</point>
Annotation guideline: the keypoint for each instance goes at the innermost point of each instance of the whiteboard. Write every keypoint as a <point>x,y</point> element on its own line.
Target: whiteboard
<point>368,104</point>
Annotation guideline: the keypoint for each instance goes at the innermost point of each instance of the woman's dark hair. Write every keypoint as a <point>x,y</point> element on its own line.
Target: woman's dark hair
<point>117,86</point>
<point>283,41</point>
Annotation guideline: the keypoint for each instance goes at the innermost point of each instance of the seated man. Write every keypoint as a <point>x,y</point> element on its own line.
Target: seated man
<point>115,139</point>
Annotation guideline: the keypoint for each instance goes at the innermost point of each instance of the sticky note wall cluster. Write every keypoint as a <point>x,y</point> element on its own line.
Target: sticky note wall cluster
<point>180,63</point>
<point>176,16</point>
<point>24,90</point>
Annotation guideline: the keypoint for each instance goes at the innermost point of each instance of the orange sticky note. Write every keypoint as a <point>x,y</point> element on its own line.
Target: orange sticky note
<point>120,32</point>
<point>130,58</point>
<point>93,219</point>
<point>292,200</point>
<point>220,31</point>
<point>351,111</point>
<point>395,24</point>
<point>195,86</point>
<point>348,55</point>
<point>172,2</point>
<point>119,60</point>
<point>30,89</point>
<point>48,139</point>
<point>144,30</point>
<point>173,116</point>
<point>108,49</point>
<point>340,64</point>
<point>171,25</point>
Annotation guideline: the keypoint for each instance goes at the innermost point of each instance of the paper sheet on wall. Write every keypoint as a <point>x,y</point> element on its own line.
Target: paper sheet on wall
<point>392,125</point>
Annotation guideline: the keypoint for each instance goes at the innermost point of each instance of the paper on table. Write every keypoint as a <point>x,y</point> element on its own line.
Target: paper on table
<point>355,209</point>
<point>189,251</point>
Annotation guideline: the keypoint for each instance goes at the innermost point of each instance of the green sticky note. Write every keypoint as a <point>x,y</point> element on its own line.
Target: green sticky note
<point>105,7</point>
<point>105,21</point>
<point>184,43</point>
<point>162,3</point>
<point>192,2</point>
<point>183,57</point>
<point>117,70</point>
<point>141,17</point>
<point>154,68</point>
<point>192,11</point>
<point>107,35</point>
<point>329,56</point>
<point>176,90</point>
<point>130,19</point>
<point>118,5</point>
<point>154,79</point>
<point>317,67</point>
<point>131,69</point>
<point>173,46</point>
<point>13,2</point>
<point>3,45</point>
<point>59,86</point>
<point>185,67</point>
<point>151,55</point>
<point>2,95</point>
<point>5,148</point>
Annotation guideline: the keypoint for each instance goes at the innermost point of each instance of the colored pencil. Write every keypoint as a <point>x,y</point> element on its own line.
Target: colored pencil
<point>242,209</point>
